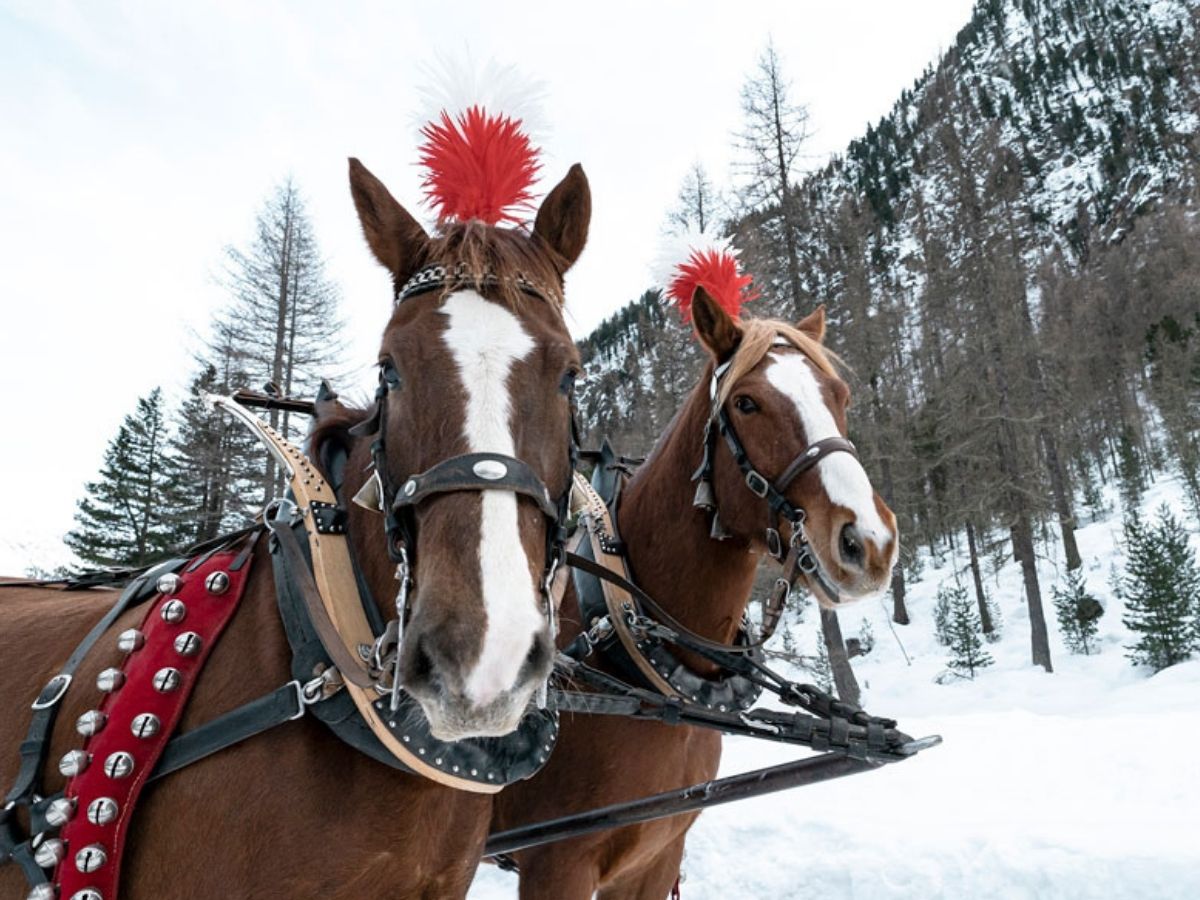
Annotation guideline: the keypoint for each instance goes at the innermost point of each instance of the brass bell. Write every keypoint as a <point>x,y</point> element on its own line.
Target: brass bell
<point>58,812</point>
<point>129,640</point>
<point>90,858</point>
<point>110,680</point>
<point>102,810</point>
<point>90,722</point>
<point>118,765</point>
<point>217,583</point>
<point>74,762</point>
<point>188,644</point>
<point>169,584</point>
<point>173,612</point>
<point>49,853</point>
<point>167,680</point>
<point>145,725</point>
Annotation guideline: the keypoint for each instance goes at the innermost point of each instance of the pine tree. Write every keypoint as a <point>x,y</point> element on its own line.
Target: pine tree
<point>217,463</point>
<point>123,520</point>
<point>962,631</point>
<point>941,614</point>
<point>822,670</point>
<point>1161,590</point>
<point>284,317</point>
<point>1078,614</point>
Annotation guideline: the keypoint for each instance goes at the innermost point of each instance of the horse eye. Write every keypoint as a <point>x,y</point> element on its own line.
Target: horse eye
<point>744,404</point>
<point>567,385</point>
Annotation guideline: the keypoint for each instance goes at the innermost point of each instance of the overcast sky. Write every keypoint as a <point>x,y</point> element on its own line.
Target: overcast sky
<point>137,139</point>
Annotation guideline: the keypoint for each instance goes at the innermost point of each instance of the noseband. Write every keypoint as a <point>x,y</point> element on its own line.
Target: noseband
<point>800,557</point>
<point>398,499</point>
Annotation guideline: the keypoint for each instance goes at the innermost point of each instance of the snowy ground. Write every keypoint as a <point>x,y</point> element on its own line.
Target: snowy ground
<point>1080,784</point>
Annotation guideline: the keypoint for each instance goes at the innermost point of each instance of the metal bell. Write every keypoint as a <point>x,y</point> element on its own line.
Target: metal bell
<point>173,612</point>
<point>58,812</point>
<point>49,853</point>
<point>145,725</point>
<point>704,497</point>
<point>169,584</point>
<point>91,722</point>
<point>74,762</point>
<point>102,810</point>
<point>118,765</point>
<point>217,582</point>
<point>90,858</point>
<point>167,680</point>
<point>87,894</point>
<point>129,640</point>
<point>110,680</point>
<point>188,644</point>
<point>42,892</point>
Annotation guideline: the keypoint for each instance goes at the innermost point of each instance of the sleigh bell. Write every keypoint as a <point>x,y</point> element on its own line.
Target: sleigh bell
<point>42,892</point>
<point>49,853</point>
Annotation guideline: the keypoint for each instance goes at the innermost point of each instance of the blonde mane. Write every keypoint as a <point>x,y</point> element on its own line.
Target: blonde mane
<point>759,336</point>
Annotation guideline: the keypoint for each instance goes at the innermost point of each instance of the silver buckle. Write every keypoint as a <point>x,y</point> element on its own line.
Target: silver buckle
<point>63,682</point>
<point>757,484</point>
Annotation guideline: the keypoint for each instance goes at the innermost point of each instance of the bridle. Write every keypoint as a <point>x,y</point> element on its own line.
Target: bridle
<point>398,498</point>
<point>800,558</point>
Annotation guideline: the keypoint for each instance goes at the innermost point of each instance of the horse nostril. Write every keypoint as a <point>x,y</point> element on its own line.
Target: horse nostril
<point>851,547</point>
<point>422,664</point>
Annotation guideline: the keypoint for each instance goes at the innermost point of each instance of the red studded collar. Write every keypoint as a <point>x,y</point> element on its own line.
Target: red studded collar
<point>126,734</point>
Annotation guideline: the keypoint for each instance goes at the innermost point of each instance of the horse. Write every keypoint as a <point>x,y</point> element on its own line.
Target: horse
<point>482,363</point>
<point>782,391</point>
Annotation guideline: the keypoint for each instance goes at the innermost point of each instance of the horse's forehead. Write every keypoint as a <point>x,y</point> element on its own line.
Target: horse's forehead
<point>793,374</point>
<point>478,328</point>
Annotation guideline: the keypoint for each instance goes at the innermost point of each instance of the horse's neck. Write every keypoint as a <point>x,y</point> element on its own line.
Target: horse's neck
<point>702,582</point>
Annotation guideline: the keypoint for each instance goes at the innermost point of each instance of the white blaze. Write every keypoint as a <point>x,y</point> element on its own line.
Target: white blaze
<point>485,339</point>
<point>843,477</point>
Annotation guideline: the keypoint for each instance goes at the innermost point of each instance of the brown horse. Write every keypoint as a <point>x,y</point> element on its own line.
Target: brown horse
<point>784,394</point>
<point>295,812</point>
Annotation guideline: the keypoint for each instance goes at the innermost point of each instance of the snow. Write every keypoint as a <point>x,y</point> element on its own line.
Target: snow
<point>1080,784</point>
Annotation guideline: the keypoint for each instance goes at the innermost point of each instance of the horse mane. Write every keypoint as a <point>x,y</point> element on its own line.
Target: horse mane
<point>505,254</point>
<point>759,336</point>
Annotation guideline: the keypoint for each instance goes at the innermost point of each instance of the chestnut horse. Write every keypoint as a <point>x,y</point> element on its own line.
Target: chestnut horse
<point>783,394</point>
<point>295,812</point>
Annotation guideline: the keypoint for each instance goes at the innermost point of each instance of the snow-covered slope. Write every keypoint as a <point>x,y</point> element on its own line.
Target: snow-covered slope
<point>1080,784</point>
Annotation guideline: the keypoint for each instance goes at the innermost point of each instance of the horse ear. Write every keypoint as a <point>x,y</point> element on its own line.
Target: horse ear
<point>814,324</point>
<point>717,330</point>
<point>563,218</point>
<point>395,237</point>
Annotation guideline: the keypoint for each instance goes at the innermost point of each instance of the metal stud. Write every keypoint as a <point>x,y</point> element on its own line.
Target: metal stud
<point>169,584</point>
<point>188,644</point>
<point>118,765</point>
<point>91,858</point>
<point>74,762</point>
<point>217,583</point>
<point>102,810</point>
<point>145,725</point>
<point>167,680</point>
<point>90,722</point>
<point>173,612</point>
<point>129,640</point>
<point>49,853</point>
<point>42,892</point>
<point>58,812</point>
<point>87,894</point>
<point>110,680</point>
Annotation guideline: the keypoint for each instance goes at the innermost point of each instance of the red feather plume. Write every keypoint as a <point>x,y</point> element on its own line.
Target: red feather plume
<point>715,268</point>
<point>478,166</point>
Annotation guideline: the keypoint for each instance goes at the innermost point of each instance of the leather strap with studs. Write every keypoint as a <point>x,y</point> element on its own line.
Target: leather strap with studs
<point>127,732</point>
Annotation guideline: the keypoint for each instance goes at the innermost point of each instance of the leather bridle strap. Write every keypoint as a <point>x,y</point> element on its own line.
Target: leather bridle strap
<point>477,472</point>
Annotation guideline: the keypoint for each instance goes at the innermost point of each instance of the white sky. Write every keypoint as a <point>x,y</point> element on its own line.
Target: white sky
<point>137,139</point>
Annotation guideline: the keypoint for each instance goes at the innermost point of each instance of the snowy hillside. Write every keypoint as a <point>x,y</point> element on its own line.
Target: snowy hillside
<point>1080,784</point>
